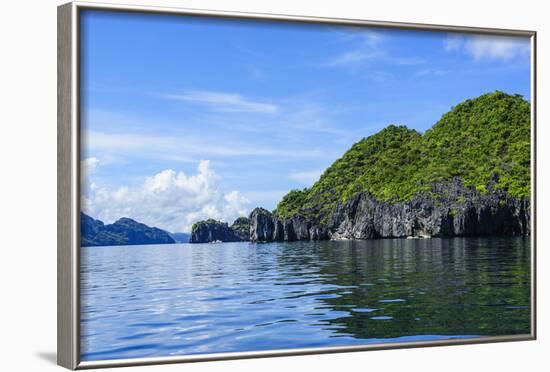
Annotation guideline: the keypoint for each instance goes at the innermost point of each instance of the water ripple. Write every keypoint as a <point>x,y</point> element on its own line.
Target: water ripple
<point>150,301</point>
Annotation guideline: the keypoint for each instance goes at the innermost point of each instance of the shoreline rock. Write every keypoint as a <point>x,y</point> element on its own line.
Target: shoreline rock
<point>450,209</point>
<point>212,231</point>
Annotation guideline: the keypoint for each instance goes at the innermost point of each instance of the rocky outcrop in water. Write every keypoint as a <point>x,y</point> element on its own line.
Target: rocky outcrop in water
<point>262,226</point>
<point>211,231</point>
<point>124,231</point>
<point>241,228</point>
<point>450,209</point>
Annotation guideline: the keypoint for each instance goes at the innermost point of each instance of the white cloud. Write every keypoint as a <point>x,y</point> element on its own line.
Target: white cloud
<point>306,177</point>
<point>497,47</point>
<point>452,42</point>
<point>88,165</point>
<point>365,36</point>
<point>431,72</point>
<point>225,102</point>
<point>366,48</point>
<point>172,148</point>
<point>353,57</point>
<point>488,47</point>
<point>169,200</point>
<point>124,141</point>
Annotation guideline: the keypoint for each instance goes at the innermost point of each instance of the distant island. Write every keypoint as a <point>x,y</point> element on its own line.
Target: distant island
<point>124,231</point>
<point>180,237</point>
<point>469,175</point>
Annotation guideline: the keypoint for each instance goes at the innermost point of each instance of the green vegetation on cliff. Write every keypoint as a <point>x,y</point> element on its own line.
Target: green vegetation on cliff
<point>478,139</point>
<point>210,230</point>
<point>208,222</point>
<point>241,224</point>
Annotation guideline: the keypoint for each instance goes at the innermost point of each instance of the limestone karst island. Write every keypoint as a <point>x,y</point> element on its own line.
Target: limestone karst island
<point>469,175</point>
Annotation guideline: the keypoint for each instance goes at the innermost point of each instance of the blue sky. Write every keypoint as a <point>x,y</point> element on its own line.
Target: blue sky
<point>185,118</point>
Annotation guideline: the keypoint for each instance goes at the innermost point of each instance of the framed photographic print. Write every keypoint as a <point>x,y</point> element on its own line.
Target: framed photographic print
<point>235,185</point>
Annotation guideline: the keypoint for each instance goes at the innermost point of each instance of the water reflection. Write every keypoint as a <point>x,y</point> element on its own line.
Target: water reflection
<point>453,286</point>
<point>146,301</point>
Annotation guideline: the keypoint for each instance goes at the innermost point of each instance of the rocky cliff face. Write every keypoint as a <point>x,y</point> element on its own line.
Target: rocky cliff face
<point>450,209</point>
<point>210,230</point>
<point>125,231</point>
<point>262,226</point>
<point>241,228</point>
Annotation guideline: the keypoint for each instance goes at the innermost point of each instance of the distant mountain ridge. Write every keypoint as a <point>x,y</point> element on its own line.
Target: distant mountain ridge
<point>124,231</point>
<point>180,237</point>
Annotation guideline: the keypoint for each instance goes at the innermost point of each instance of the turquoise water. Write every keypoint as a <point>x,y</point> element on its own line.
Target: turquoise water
<point>165,300</point>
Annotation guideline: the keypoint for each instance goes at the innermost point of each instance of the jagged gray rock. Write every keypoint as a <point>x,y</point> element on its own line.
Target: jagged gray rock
<point>241,228</point>
<point>216,231</point>
<point>262,226</point>
<point>450,209</point>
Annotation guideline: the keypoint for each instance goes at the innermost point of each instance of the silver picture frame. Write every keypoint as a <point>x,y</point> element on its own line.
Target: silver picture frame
<point>68,184</point>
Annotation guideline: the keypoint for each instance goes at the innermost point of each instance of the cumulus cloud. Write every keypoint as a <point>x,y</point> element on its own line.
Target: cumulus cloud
<point>489,47</point>
<point>88,165</point>
<point>169,200</point>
